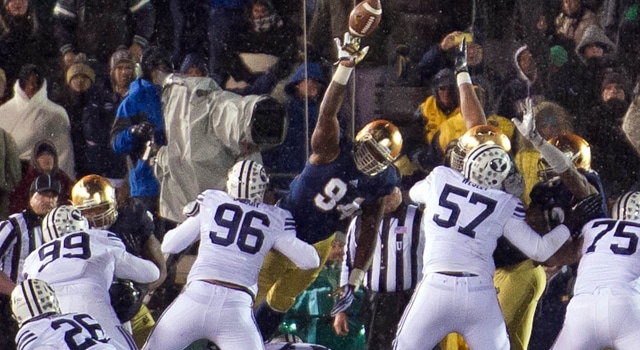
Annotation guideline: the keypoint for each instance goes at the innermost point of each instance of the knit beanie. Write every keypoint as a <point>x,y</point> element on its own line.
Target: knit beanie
<point>121,55</point>
<point>80,66</point>
<point>558,56</point>
<point>613,78</point>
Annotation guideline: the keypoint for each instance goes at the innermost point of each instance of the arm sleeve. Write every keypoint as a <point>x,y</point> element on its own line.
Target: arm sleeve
<point>64,24</point>
<point>121,138</point>
<point>144,15</point>
<point>131,267</point>
<point>432,61</point>
<point>181,237</point>
<point>302,254</point>
<point>349,249</point>
<point>531,243</point>
<point>416,193</point>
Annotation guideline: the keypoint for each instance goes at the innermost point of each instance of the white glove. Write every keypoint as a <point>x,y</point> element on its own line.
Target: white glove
<point>350,49</point>
<point>527,127</point>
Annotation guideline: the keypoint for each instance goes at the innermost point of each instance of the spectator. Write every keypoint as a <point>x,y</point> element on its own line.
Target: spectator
<point>98,28</point>
<point>524,82</point>
<point>11,170</point>
<point>613,156</point>
<point>264,41</point>
<point>441,55</point>
<point>44,160</point>
<point>572,22</point>
<point>194,66</point>
<point>304,93</point>
<point>442,104</point>
<point>20,235</point>
<point>225,20</point>
<point>595,53</point>
<point>74,97</point>
<point>139,120</point>
<point>31,117</point>
<point>21,39</point>
<point>99,115</point>
<point>562,80</point>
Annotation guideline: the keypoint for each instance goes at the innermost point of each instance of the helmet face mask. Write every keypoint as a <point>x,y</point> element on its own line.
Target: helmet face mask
<point>377,145</point>
<point>247,180</point>
<point>627,207</point>
<point>62,220</point>
<point>94,196</point>
<point>487,165</point>
<point>478,135</point>
<point>33,298</point>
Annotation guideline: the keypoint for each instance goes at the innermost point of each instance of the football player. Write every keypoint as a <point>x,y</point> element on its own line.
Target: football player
<point>236,230</point>
<point>94,196</point>
<point>336,183</point>
<point>80,264</point>
<point>604,311</point>
<point>44,327</point>
<point>464,216</point>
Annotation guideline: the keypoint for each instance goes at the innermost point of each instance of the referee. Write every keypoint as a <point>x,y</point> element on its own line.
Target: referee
<point>394,272</point>
<point>21,234</point>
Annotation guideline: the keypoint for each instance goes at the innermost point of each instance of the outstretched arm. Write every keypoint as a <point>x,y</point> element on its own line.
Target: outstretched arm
<point>325,140</point>
<point>576,183</point>
<point>470,105</point>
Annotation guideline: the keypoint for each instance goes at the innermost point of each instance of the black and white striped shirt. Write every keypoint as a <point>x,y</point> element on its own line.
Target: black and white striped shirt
<point>20,234</point>
<point>397,260</point>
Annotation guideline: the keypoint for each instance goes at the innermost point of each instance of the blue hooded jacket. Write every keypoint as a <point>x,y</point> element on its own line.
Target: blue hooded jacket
<point>290,157</point>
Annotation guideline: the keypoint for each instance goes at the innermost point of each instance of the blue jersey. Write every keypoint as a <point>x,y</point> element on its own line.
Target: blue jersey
<point>323,197</point>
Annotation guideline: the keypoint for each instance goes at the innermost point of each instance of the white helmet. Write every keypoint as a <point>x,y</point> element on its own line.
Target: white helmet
<point>62,220</point>
<point>33,298</point>
<point>487,165</point>
<point>627,207</point>
<point>247,180</point>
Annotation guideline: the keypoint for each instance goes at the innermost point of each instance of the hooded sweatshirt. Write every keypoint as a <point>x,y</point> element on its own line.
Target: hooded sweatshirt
<point>19,199</point>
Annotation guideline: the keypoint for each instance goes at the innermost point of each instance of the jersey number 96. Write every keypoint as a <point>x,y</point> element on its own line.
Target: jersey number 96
<point>239,230</point>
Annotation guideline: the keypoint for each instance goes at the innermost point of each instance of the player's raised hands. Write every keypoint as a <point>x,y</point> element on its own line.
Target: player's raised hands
<point>349,49</point>
<point>527,127</point>
<point>461,64</point>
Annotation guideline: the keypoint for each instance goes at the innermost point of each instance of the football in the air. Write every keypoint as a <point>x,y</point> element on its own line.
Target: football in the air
<point>365,17</point>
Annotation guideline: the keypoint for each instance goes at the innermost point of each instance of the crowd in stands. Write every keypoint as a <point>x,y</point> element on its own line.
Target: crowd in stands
<point>73,82</point>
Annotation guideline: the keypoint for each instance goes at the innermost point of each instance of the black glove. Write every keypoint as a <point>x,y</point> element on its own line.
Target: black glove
<point>344,300</point>
<point>461,58</point>
<point>584,211</point>
<point>143,131</point>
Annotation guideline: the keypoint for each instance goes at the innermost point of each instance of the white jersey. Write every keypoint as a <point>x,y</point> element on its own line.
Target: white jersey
<point>463,222</point>
<point>89,258</point>
<point>59,332</point>
<point>235,237</point>
<point>610,256</point>
<point>80,268</point>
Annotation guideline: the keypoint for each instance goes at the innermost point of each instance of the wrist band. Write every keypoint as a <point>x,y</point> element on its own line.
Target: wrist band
<point>355,278</point>
<point>463,78</point>
<point>342,74</point>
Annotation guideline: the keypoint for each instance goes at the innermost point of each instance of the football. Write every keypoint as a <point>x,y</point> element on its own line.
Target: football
<point>365,17</point>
